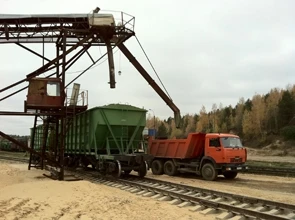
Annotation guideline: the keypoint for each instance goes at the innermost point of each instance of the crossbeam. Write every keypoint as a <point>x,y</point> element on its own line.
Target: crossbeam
<point>7,137</point>
<point>33,52</point>
<point>69,63</point>
<point>43,68</point>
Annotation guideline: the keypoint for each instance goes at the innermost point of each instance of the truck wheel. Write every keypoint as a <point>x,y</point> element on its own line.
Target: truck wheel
<point>169,168</point>
<point>209,172</point>
<point>157,167</point>
<point>230,174</point>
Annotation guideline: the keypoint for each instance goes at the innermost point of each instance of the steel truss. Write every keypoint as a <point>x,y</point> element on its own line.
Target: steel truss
<point>68,33</point>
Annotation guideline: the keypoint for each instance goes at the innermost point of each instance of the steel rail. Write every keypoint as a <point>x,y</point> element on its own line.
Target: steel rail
<point>271,171</point>
<point>219,201</point>
<point>24,160</point>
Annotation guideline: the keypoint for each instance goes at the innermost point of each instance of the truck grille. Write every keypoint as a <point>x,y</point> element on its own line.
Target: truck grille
<point>236,160</point>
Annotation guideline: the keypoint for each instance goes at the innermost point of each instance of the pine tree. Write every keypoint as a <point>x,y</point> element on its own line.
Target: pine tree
<point>286,109</point>
<point>162,130</point>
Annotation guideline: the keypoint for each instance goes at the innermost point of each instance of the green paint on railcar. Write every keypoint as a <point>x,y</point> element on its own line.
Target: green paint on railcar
<point>5,145</point>
<point>106,130</point>
<point>38,141</point>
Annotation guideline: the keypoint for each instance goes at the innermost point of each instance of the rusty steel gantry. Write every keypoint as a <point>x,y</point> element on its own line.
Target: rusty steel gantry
<point>69,32</point>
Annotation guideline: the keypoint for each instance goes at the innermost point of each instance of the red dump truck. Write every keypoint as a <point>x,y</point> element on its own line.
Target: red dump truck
<point>206,154</point>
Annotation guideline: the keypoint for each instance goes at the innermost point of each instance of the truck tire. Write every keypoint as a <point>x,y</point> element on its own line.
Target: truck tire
<point>169,168</point>
<point>157,167</point>
<point>209,172</point>
<point>230,174</point>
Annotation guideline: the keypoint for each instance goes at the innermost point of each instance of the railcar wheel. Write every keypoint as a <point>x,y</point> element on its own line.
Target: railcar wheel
<point>230,174</point>
<point>66,161</point>
<point>119,169</point>
<point>169,168</point>
<point>84,162</point>
<point>142,171</point>
<point>127,172</point>
<point>157,167</point>
<point>209,172</point>
<point>115,169</point>
<point>71,162</point>
<point>76,163</point>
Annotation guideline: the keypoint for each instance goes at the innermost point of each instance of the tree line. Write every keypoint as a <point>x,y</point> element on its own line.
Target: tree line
<point>252,119</point>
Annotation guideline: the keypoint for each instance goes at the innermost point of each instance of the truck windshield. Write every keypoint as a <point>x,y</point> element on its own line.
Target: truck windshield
<point>231,142</point>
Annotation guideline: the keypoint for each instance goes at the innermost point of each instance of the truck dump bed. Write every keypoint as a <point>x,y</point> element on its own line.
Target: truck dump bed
<point>191,147</point>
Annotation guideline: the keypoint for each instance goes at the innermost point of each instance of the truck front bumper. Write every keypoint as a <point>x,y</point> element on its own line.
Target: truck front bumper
<point>235,167</point>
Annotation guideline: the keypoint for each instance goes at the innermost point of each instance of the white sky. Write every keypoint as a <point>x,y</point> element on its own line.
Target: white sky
<point>204,51</point>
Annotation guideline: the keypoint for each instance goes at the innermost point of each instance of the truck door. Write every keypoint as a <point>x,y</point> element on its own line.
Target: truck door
<point>214,149</point>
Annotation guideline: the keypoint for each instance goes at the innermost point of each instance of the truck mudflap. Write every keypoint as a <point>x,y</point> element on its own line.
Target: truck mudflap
<point>234,167</point>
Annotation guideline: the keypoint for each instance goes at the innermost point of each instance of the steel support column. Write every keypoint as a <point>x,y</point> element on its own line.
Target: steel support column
<point>63,118</point>
<point>32,141</point>
<point>57,62</point>
<point>111,65</point>
<point>44,141</point>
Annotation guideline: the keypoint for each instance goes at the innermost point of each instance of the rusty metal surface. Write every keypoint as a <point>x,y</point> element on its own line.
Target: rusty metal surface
<point>68,32</point>
<point>74,31</point>
<point>45,18</point>
<point>32,141</point>
<point>41,97</point>
<point>62,135</point>
<point>111,66</point>
<point>152,83</point>
<point>48,28</point>
<point>11,113</point>
<point>46,66</point>
<point>70,62</point>
<point>34,52</point>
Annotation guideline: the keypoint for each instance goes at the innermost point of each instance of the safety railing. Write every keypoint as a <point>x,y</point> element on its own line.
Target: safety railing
<point>79,99</point>
<point>122,19</point>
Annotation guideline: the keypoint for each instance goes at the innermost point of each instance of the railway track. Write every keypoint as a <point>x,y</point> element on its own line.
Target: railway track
<point>223,205</point>
<point>18,159</point>
<point>261,170</point>
<point>272,171</point>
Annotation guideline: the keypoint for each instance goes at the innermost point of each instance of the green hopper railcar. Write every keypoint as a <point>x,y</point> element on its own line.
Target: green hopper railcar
<point>108,137</point>
<point>6,145</point>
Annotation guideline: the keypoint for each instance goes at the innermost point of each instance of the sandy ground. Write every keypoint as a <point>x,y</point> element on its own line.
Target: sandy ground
<point>280,189</point>
<point>28,195</point>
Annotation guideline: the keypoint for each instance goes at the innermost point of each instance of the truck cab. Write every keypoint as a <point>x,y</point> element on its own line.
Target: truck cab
<point>224,154</point>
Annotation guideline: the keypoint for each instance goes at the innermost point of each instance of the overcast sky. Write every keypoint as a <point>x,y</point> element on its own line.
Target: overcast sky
<point>204,51</point>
